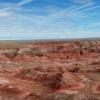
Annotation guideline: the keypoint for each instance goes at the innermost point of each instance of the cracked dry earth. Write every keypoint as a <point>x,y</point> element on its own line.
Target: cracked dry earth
<point>50,71</point>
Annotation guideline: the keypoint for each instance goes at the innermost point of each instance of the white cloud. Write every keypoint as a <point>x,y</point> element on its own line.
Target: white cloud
<point>89,9</point>
<point>4,14</point>
<point>9,8</point>
<point>15,6</point>
<point>82,1</point>
<point>23,2</point>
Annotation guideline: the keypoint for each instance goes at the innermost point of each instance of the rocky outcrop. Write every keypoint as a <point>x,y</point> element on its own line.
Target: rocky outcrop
<point>53,80</point>
<point>51,71</point>
<point>53,51</point>
<point>11,53</point>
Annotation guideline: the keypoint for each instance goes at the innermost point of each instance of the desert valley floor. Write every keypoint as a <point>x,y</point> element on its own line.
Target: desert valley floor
<point>58,70</point>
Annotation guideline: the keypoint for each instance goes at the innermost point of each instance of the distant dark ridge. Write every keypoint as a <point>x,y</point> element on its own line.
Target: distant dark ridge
<point>50,40</point>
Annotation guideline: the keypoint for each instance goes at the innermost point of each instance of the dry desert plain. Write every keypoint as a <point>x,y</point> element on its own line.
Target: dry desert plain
<point>53,70</point>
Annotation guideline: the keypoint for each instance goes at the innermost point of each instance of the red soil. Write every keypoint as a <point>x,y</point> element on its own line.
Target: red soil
<point>68,68</point>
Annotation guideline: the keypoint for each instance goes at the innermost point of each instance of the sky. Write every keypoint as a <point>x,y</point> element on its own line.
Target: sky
<point>49,19</point>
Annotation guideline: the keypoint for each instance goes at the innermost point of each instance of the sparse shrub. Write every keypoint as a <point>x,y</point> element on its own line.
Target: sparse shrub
<point>85,97</point>
<point>58,97</point>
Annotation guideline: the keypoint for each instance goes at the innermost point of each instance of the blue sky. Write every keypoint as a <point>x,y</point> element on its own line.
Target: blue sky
<point>49,19</point>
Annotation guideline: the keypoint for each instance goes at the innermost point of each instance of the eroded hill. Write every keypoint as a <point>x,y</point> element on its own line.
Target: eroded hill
<point>51,71</point>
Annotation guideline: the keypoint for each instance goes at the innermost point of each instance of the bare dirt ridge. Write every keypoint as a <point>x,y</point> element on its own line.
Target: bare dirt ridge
<point>51,71</point>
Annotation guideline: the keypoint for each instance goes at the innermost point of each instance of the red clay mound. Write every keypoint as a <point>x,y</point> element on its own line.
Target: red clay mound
<point>52,80</point>
<point>9,89</point>
<point>3,58</point>
<point>11,53</point>
<point>32,96</point>
<point>22,58</point>
<point>51,69</point>
<point>96,88</point>
<point>63,71</point>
